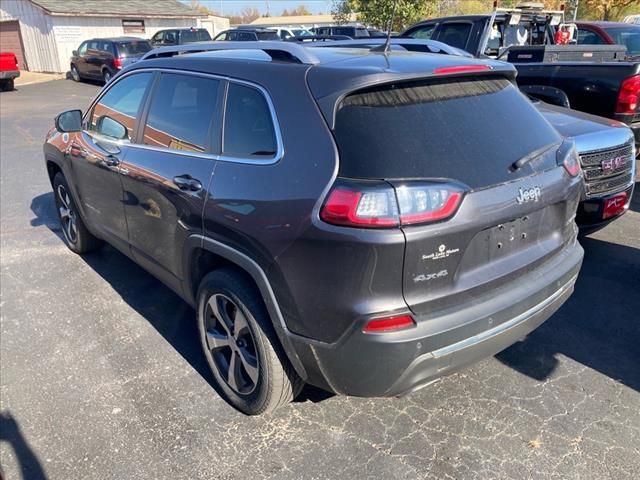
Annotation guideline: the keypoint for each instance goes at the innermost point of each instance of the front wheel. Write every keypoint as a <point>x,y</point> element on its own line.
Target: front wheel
<point>75,233</point>
<point>75,74</point>
<point>241,347</point>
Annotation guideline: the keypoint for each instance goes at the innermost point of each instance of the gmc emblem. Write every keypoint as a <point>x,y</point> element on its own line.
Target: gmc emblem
<point>611,164</point>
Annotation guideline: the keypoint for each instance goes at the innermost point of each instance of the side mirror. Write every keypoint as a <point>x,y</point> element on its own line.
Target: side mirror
<point>69,121</point>
<point>74,53</point>
<point>112,128</point>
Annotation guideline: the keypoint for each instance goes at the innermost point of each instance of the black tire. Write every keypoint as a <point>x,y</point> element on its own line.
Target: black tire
<point>106,75</point>
<point>75,74</point>
<point>6,85</point>
<point>74,232</point>
<point>255,346</point>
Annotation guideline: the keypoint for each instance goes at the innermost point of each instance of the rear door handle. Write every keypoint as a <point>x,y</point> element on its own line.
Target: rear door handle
<point>187,182</point>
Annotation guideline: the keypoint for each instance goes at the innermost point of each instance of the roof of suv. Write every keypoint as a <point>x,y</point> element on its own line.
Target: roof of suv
<point>119,39</point>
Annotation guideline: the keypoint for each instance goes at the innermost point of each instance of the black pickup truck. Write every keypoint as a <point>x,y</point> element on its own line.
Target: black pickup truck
<point>590,78</point>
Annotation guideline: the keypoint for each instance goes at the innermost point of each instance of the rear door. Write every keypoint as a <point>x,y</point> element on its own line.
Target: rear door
<point>165,179</point>
<point>93,59</point>
<point>465,133</point>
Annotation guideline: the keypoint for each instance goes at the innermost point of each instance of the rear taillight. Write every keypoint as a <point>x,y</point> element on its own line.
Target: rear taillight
<point>568,157</point>
<point>388,324</point>
<point>380,204</point>
<point>117,62</point>
<point>629,95</point>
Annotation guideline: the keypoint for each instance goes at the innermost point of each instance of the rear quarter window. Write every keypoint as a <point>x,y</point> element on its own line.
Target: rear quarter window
<point>470,129</point>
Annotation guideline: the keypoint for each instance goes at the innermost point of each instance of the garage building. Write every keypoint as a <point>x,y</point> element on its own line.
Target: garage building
<point>43,33</point>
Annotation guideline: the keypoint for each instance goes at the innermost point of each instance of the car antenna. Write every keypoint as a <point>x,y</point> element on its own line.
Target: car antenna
<point>385,48</point>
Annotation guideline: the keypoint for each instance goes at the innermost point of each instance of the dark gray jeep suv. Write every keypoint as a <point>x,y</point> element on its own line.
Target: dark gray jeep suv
<point>361,221</point>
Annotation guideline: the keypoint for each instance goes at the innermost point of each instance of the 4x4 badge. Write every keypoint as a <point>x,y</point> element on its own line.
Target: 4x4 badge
<point>526,195</point>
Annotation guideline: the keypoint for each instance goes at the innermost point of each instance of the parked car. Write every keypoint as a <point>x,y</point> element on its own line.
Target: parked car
<point>589,78</point>
<point>633,19</point>
<point>353,31</point>
<point>247,35</point>
<point>102,58</point>
<point>606,147</point>
<point>309,256</point>
<point>179,36</point>
<point>607,156</point>
<point>610,33</point>
<point>289,32</point>
<point>9,70</point>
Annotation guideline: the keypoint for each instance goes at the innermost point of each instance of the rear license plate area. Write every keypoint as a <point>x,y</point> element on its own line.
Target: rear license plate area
<point>508,237</point>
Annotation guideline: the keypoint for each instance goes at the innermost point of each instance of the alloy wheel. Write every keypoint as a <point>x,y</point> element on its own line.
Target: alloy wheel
<point>67,215</point>
<point>74,74</point>
<point>107,76</point>
<point>231,344</point>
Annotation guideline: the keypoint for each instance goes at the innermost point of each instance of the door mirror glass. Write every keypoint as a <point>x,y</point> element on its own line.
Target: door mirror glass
<point>69,121</point>
<point>112,128</point>
<point>74,53</point>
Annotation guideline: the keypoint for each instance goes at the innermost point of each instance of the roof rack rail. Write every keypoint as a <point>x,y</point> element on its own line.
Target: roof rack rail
<point>277,50</point>
<point>409,44</point>
<point>317,38</point>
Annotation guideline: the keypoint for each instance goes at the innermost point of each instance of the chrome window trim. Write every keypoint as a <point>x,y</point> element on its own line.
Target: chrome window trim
<point>209,156</point>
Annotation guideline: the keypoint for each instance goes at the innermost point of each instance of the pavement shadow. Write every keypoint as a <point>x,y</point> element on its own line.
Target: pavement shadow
<point>28,462</point>
<point>171,316</point>
<point>597,326</point>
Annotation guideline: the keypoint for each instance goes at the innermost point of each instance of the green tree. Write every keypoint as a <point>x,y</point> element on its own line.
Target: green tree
<point>378,12</point>
<point>341,11</point>
<point>607,9</point>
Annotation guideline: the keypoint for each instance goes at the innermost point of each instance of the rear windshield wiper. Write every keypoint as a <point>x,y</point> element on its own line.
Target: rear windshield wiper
<point>518,164</point>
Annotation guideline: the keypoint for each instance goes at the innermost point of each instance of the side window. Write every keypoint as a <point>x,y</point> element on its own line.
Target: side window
<point>181,111</point>
<point>454,34</point>
<point>170,37</point>
<point>115,113</point>
<point>83,48</point>
<point>221,37</point>
<point>248,125</point>
<point>93,45</point>
<point>587,37</point>
<point>105,47</point>
<point>158,37</point>
<point>232,36</point>
<point>424,32</point>
<point>246,36</point>
<point>284,34</point>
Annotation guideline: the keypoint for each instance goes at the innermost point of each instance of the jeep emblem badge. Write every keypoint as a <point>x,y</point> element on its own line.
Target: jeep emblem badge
<point>526,195</point>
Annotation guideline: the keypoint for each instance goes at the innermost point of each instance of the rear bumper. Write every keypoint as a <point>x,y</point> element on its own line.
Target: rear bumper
<point>9,74</point>
<point>390,364</point>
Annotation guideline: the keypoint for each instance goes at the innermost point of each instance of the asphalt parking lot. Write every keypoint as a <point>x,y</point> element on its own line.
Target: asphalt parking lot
<point>101,374</point>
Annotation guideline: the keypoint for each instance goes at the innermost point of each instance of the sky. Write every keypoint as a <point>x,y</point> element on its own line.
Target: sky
<point>275,7</point>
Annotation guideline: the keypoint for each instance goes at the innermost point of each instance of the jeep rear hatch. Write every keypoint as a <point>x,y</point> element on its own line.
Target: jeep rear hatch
<point>468,169</point>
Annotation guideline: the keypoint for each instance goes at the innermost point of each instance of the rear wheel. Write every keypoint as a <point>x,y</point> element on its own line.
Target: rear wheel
<point>106,76</point>
<point>241,347</point>
<point>75,233</point>
<point>75,74</point>
<point>6,85</point>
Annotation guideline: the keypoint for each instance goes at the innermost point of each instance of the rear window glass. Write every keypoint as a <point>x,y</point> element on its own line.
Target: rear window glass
<point>134,48</point>
<point>181,112</point>
<point>471,130</point>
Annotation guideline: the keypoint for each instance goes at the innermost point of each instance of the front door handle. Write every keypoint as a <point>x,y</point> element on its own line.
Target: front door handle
<point>187,182</point>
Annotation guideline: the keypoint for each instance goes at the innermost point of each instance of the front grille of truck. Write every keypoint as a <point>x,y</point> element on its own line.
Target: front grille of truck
<point>600,181</point>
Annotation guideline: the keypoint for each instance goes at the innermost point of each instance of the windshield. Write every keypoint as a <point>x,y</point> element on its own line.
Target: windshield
<point>628,36</point>
<point>468,129</point>
<point>130,49</point>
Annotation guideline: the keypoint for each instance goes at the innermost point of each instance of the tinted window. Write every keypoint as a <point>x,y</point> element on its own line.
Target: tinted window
<point>181,111</point>
<point>188,36</point>
<point>248,127</point>
<point>120,105</point>
<point>105,47</point>
<point>170,37</point>
<point>627,36</point>
<point>133,48</point>
<point>361,32</point>
<point>587,37</point>
<point>471,130</point>
<point>232,36</point>
<point>92,45</point>
<point>246,36</point>
<point>454,34</point>
<point>423,32</point>
<point>268,35</point>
